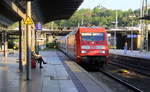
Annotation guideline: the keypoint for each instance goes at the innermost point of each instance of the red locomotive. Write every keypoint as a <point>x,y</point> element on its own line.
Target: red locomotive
<point>86,45</point>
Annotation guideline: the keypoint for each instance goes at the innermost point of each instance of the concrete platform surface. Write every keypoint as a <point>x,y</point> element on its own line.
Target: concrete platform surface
<point>54,77</point>
<point>129,53</point>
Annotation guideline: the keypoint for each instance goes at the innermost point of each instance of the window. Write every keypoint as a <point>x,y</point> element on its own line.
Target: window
<point>92,36</point>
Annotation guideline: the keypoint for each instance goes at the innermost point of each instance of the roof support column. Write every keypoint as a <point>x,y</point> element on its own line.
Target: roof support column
<point>28,39</point>
<point>33,38</point>
<point>4,43</point>
<point>24,47</point>
<point>20,47</point>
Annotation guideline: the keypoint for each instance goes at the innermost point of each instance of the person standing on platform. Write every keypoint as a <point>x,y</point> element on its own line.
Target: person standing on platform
<point>125,47</point>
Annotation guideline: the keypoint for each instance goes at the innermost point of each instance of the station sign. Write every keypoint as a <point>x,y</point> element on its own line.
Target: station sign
<point>38,26</point>
<point>131,36</point>
<point>28,21</point>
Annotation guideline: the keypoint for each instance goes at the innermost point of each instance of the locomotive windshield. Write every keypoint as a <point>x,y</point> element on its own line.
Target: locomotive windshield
<point>92,36</point>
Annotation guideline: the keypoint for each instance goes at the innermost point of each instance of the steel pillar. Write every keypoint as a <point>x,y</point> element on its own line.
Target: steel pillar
<point>28,39</point>
<point>24,47</point>
<point>20,47</point>
<point>4,43</point>
<point>14,7</point>
<point>33,38</point>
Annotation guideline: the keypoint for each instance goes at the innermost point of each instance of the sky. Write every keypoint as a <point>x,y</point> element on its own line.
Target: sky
<point>112,4</point>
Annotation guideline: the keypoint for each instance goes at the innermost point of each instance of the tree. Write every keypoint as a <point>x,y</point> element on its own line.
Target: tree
<point>99,16</point>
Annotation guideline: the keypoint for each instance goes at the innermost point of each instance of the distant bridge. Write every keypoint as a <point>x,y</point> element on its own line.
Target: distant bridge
<point>62,32</point>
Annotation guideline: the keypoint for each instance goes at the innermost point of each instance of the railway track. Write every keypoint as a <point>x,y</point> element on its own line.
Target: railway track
<point>132,83</point>
<point>135,65</point>
<point>135,68</point>
<point>136,81</point>
<point>134,88</point>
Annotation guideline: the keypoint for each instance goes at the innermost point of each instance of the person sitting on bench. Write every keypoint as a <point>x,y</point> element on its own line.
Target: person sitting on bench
<point>38,58</point>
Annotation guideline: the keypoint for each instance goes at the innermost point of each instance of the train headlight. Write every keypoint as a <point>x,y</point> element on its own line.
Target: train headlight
<point>103,52</point>
<point>83,51</point>
<point>100,47</point>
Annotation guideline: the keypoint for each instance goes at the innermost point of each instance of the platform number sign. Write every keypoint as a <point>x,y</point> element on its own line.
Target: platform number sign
<point>131,36</point>
<point>38,26</point>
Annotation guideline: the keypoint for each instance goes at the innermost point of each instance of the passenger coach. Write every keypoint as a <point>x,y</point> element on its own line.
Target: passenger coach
<point>87,45</point>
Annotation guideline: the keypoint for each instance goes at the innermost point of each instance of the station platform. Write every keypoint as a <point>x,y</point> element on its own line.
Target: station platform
<point>58,75</point>
<point>137,60</point>
<point>129,53</point>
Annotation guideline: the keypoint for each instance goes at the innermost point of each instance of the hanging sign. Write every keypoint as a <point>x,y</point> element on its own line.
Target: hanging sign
<point>38,26</point>
<point>131,36</point>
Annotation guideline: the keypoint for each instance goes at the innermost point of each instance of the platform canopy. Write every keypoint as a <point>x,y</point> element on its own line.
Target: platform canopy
<point>42,10</point>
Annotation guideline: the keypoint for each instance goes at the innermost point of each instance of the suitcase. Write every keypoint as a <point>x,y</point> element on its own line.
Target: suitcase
<point>33,65</point>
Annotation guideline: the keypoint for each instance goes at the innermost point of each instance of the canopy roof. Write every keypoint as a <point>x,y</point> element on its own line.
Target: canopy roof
<point>42,10</point>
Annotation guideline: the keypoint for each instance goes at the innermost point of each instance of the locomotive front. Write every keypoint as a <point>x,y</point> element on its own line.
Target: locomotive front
<point>94,46</point>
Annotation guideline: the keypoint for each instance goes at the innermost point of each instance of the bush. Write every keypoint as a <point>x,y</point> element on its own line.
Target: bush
<point>11,44</point>
<point>51,45</point>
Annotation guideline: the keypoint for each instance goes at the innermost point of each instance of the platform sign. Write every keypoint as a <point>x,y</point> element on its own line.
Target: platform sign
<point>38,26</point>
<point>28,21</point>
<point>131,36</point>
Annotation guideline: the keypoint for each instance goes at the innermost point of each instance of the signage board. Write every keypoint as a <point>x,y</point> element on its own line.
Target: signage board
<point>28,21</point>
<point>38,26</point>
<point>131,36</point>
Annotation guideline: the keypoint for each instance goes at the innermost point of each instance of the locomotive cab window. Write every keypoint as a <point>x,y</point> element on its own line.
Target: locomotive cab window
<point>92,36</point>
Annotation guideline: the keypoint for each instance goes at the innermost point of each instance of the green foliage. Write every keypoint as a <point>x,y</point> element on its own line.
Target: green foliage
<point>16,24</point>
<point>51,45</point>
<point>99,16</point>
<point>52,25</point>
<point>11,44</point>
<point>13,41</point>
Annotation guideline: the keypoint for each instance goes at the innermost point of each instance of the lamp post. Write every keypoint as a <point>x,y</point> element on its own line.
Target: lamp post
<point>116,26</point>
<point>141,26</point>
<point>144,25</point>
<point>132,37</point>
